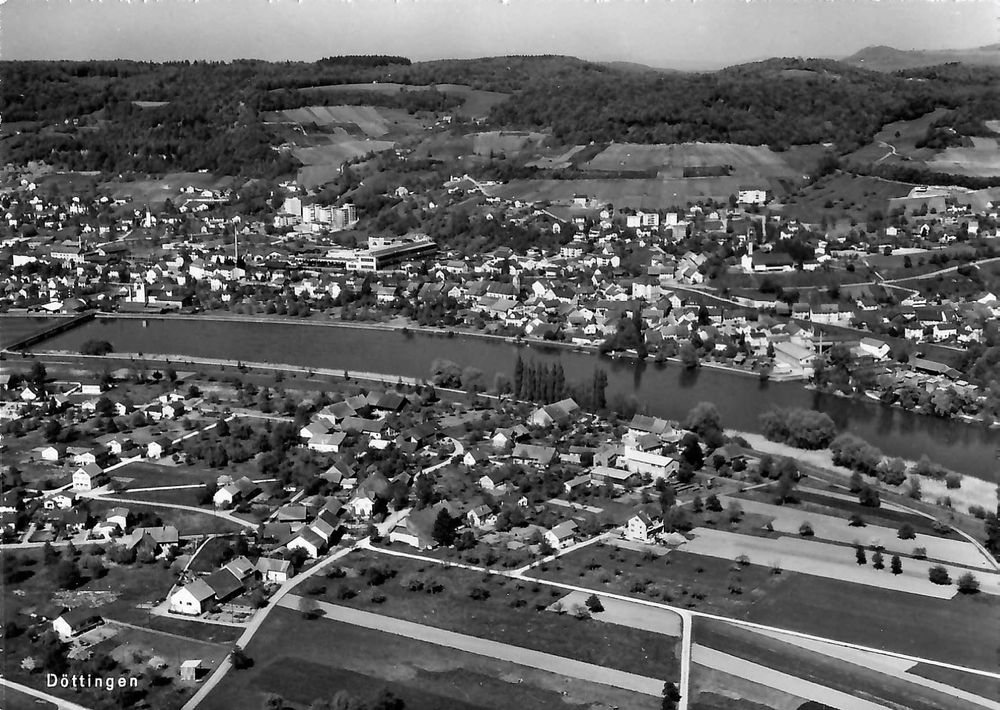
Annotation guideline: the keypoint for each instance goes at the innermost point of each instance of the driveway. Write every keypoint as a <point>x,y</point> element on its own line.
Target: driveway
<point>483,647</point>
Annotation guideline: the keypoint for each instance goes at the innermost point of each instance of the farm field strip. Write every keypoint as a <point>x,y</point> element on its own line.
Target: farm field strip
<point>622,613</point>
<point>823,560</point>
<point>483,647</point>
<point>787,519</point>
<point>781,681</point>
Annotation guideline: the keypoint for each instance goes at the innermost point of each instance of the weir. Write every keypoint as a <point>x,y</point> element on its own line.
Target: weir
<point>60,327</point>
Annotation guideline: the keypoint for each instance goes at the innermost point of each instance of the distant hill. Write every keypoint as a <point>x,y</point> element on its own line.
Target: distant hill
<point>888,59</point>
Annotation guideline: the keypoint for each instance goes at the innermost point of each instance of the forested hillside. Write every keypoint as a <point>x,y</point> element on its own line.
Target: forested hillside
<point>194,116</point>
<point>778,102</point>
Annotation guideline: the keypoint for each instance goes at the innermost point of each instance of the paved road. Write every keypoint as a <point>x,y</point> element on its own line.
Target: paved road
<point>782,681</point>
<point>491,649</point>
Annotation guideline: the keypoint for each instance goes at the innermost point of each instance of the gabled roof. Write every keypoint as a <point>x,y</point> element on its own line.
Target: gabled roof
<point>200,590</point>
<point>223,583</point>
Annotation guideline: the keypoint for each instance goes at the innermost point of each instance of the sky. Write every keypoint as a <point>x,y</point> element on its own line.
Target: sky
<point>662,33</point>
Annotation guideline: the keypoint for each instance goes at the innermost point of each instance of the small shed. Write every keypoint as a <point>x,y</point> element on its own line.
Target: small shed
<point>191,670</point>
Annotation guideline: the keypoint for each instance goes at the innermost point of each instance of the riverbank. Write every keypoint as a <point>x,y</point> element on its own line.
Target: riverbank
<point>974,490</point>
<point>401,326</point>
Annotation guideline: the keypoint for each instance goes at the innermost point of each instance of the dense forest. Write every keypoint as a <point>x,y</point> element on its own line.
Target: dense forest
<point>204,115</point>
<point>778,102</point>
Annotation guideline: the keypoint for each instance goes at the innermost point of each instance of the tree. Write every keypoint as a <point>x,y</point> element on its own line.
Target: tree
<point>868,496</point>
<point>896,565</point>
<point>51,430</point>
<point>671,696</point>
<point>968,584</point>
<point>308,607</point>
<point>689,356</point>
<point>938,574</point>
<point>859,555</point>
<point>703,417</point>
<point>273,701</point>
<point>444,528</point>
<point>713,503</point>
<point>906,532</point>
<point>877,560</point>
<point>806,529</point>
<point>240,659</point>
<point>594,604</point>
<point>37,374</point>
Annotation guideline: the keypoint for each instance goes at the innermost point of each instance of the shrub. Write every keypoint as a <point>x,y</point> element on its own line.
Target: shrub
<point>953,480</point>
<point>920,553</point>
<point>896,565</point>
<point>805,529</point>
<point>938,574</point>
<point>594,604</point>
<point>906,532</point>
<point>977,511</point>
<point>743,560</point>
<point>968,584</point>
<point>856,521</point>
<point>479,593</point>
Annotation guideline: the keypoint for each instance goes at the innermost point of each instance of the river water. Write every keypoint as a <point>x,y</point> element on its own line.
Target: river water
<point>667,390</point>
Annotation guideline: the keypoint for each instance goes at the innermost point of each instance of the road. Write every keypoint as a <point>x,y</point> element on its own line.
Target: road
<point>484,647</point>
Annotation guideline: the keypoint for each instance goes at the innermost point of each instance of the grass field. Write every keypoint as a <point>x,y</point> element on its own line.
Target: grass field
<point>182,496</point>
<point>905,143</point>
<point>508,142</point>
<point>321,163</point>
<point>679,578</point>
<point>980,160</point>
<point>963,630</point>
<point>819,668</point>
<point>844,196</point>
<point>16,700</point>
<point>562,160</point>
<point>302,660</point>
<point>145,474</point>
<point>513,612</point>
<point>671,159</point>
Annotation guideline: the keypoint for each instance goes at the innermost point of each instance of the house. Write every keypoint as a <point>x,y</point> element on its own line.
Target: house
<point>492,481</point>
<point>273,570</point>
<point>649,463</point>
<point>417,530</point>
<point>531,454</point>
<point>876,348</point>
<point>562,535</point>
<point>232,494</point>
<point>53,453</point>
<point>574,483</point>
<point>87,478</point>
<point>192,599</point>
<point>75,622</point>
<point>313,430</point>
<point>794,356</point>
<point>307,541</point>
<point>475,457</point>
<point>557,413</point>
<point>153,538</point>
<point>614,476</point>
<point>361,505</point>
<point>327,443</point>
<point>240,567</point>
<point>481,516</point>
<point>224,584</point>
<point>640,527</point>
<point>642,424</point>
<point>158,448</point>
<point>59,501</point>
<point>118,517</point>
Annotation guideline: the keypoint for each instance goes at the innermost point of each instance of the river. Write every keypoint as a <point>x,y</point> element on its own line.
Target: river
<point>667,390</point>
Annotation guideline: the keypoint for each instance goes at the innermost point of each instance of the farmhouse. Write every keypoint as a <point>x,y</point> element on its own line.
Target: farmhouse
<point>641,527</point>
<point>273,570</point>
<point>562,535</point>
<point>192,598</point>
<point>88,477</point>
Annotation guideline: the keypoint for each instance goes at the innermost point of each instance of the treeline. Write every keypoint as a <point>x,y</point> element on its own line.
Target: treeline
<point>538,382</point>
<point>363,60</point>
<point>922,176</point>
<point>801,428</point>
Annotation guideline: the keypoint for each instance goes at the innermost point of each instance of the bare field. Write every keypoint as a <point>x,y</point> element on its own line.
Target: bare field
<point>563,160</point>
<point>982,160</point>
<point>321,164</point>
<point>371,121</point>
<point>157,190</point>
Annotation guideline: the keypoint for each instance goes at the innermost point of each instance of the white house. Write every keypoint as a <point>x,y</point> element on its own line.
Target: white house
<point>562,535</point>
<point>88,477</point>
<point>75,622</point>
<point>273,570</point>
<point>876,348</point>
<point>192,598</point>
<point>641,527</point>
<point>307,541</point>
